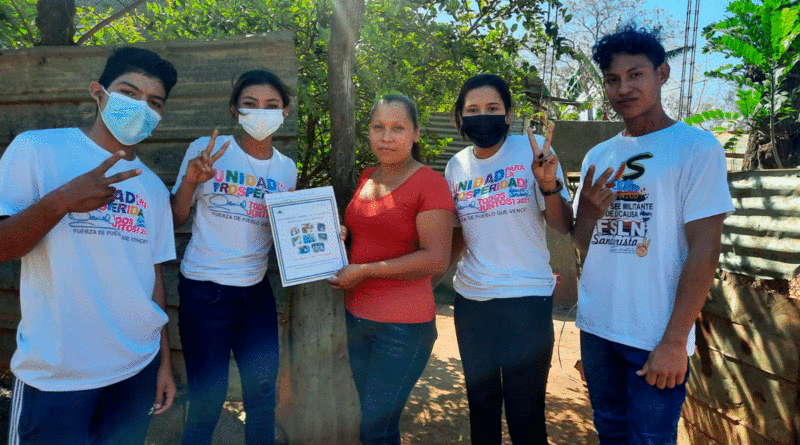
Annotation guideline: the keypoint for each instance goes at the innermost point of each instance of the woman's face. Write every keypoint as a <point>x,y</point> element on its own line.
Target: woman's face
<point>392,133</point>
<point>484,100</point>
<point>260,96</point>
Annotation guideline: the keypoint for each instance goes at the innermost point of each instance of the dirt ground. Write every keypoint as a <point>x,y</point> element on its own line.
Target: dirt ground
<point>436,413</point>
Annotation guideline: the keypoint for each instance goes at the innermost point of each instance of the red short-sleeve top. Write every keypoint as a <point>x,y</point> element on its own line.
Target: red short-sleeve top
<point>383,229</point>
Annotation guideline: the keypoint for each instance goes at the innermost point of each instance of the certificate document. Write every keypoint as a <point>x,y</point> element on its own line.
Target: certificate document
<point>305,230</point>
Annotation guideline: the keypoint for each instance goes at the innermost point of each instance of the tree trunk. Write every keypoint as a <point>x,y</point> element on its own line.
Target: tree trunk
<point>345,28</point>
<point>324,404</point>
<point>55,22</point>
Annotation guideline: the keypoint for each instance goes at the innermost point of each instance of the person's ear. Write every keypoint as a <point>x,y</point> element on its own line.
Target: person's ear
<point>234,112</point>
<point>96,91</point>
<point>285,112</point>
<point>663,73</point>
<point>508,117</point>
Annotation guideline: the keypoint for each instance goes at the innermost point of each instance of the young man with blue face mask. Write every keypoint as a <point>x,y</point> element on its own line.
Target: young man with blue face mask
<point>92,225</point>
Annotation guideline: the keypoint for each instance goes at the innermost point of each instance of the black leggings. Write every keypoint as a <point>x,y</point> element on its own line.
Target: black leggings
<point>506,345</point>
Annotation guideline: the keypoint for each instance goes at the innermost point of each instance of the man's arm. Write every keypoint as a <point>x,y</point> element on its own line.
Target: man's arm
<point>666,365</point>
<point>21,232</point>
<point>165,384</point>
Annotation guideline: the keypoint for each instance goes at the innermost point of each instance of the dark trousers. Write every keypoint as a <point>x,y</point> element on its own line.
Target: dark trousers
<point>506,345</point>
<point>111,415</point>
<point>215,320</point>
<point>387,360</point>
<point>627,410</point>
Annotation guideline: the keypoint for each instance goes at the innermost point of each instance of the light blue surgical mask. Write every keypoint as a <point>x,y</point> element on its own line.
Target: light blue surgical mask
<point>128,119</point>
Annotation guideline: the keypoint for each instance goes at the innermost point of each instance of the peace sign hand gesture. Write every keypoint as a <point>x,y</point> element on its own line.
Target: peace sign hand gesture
<point>595,198</point>
<point>545,162</point>
<point>200,169</point>
<point>93,189</point>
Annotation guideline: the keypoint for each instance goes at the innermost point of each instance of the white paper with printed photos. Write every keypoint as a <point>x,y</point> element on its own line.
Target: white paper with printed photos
<point>305,230</point>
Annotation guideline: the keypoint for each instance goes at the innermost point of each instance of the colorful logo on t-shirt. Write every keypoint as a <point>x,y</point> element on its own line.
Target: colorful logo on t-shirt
<point>124,216</point>
<point>623,183</point>
<point>485,196</point>
<point>624,226</point>
<point>239,195</point>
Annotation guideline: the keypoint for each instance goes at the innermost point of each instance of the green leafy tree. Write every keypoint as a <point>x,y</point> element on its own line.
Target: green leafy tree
<point>419,48</point>
<point>17,23</point>
<point>765,39</point>
<point>576,81</point>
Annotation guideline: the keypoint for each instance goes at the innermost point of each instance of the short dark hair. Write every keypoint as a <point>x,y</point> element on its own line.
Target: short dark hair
<point>632,40</point>
<point>259,77</point>
<point>411,111</point>
<point>137,60</point>
<point>477,81</point>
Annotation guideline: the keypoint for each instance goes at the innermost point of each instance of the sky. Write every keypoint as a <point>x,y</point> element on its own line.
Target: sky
<point>710,11</point>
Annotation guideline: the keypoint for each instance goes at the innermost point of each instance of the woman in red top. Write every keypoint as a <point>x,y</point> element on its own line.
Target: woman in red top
<point>400,221</point>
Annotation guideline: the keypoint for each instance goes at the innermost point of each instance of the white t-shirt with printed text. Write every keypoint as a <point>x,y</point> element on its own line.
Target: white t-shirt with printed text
<point>663,180</point>
<point>231,236</point>
<point>499,207</point>
<point>86,289</point>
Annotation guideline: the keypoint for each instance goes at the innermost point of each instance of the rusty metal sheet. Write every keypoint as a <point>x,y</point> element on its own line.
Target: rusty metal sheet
<point>762,238</point>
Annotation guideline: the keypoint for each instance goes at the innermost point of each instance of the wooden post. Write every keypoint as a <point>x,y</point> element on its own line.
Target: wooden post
<point>324,403</point>
<point>345,26</point>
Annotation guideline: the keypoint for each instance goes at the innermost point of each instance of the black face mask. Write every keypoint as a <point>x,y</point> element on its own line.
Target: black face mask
<point>484,130</point>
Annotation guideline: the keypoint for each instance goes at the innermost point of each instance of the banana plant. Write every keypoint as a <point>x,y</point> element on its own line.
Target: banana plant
<point>766,39</point>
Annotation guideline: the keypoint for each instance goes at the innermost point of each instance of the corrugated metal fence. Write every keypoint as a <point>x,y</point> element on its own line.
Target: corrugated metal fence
<point>762,238</point>
<point>745,387</point>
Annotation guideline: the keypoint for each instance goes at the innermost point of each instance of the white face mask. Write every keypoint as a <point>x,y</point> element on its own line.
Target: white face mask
<point>128,119</point>
<point>260,123</point>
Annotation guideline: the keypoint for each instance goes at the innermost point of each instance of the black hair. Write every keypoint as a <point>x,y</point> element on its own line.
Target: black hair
<point>259,77</point>
<point>632,40</point>
<point>411,111</point>
<point>477,81</point>
<point>137,60</point>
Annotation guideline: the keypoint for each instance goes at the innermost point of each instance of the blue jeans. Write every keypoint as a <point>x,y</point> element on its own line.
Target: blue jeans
<point>115,414</point>
<point>506,345</point>
<point>626,409</point>
<point>215,319</point>
<point>387,360</point>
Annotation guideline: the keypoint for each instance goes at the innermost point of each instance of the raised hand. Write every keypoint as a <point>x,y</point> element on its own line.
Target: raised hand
<point>93,189</point>
<point>595,198</point>
<point>545,162</point>
<point>200,169</point>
